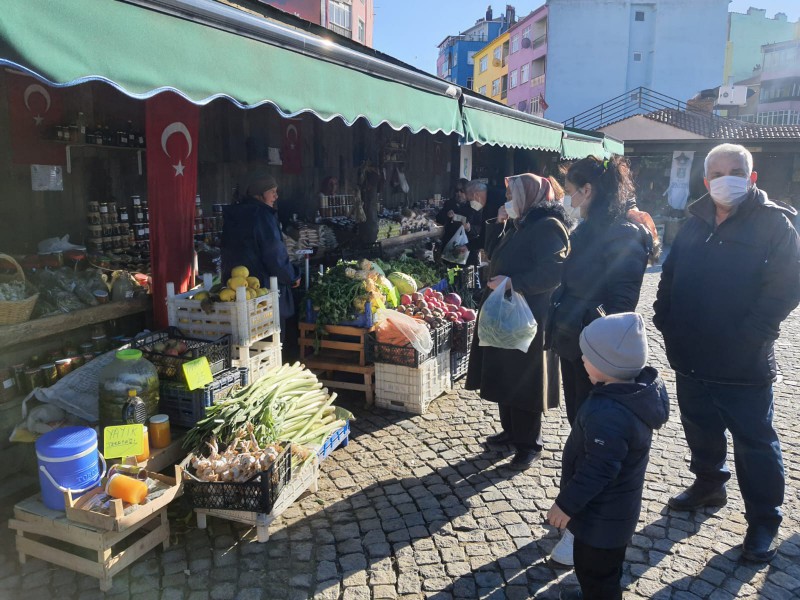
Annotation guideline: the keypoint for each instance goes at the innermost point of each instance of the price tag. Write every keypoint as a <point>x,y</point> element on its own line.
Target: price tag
<point>120,441</point>
<point>197,373</point>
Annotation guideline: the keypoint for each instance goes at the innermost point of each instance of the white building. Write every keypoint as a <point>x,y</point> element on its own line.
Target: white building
<point>600,49</point>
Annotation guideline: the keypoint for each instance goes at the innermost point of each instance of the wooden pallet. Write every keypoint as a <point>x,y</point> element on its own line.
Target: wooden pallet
<point>349,341</point>
<point>49,535</point>
<point>327,363</point>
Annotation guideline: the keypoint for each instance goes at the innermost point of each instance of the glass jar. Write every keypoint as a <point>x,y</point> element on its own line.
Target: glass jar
<point>160,436</point>
<point>145,447</point>
<point>128,371</point>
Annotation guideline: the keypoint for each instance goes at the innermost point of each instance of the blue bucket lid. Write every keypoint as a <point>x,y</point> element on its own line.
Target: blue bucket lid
<point>66,441</point>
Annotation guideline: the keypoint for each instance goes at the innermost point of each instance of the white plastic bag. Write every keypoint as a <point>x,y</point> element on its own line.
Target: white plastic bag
<point>415,330</point>
<point>506,322</point>
<point>455,250</point>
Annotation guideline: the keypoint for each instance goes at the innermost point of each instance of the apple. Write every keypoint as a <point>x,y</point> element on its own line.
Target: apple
<point>468,314</point>
<point>439,296</point>
<point>416,297</point>
<point>406,299</point>
<point>453,299</point>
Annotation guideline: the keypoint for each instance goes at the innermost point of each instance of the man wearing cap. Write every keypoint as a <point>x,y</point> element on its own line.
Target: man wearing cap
<point>729,281</point>
<point>251,236</point>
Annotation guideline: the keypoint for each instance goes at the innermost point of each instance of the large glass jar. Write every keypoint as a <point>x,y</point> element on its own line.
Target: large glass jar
<point>128,371</point>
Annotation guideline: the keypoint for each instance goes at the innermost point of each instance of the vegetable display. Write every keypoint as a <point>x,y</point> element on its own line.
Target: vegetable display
<point>288,404</point>
<point>424,274</point>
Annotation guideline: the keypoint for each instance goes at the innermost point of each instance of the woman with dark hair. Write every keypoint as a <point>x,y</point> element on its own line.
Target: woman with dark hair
<point>527,244</point>
<point>602,276</point>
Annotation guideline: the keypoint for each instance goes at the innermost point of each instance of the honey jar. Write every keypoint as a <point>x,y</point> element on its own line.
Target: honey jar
<point>160,436</point>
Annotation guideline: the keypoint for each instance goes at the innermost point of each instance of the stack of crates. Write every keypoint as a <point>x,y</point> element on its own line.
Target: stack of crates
<point>410,389</point>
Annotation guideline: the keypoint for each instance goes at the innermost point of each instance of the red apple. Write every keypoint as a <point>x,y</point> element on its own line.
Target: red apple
<point>453,299</point>
<point>406,299</point>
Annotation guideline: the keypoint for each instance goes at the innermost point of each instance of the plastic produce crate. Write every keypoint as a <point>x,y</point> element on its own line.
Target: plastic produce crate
<point>462,336</point>
<point>412,389</point>
<point>459,361</point>
<point>257,358</point>
<point>257,495</point>
<point>407,356</point>
<point>186,407</point>
<point>340,437</point>
<point>218,352</point>
<point>246,321</point>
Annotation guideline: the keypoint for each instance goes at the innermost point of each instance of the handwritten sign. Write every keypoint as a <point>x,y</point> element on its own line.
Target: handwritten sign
<point>120,441</point>
<point>197,373</point>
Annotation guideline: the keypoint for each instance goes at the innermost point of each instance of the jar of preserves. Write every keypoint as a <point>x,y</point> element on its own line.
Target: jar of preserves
<point>136,201</point>
<point>128,371</point>
<point>160,436</point>
<point>123,215</point>
<point>49,374</point>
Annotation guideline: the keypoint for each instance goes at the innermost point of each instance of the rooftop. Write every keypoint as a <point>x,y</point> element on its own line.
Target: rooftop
<point>714,127</point>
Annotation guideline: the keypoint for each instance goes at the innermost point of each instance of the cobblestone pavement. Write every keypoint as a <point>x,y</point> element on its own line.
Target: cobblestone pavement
<point>417,507</point>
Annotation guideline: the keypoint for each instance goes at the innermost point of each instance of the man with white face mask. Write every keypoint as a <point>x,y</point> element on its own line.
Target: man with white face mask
<point>731,278</point>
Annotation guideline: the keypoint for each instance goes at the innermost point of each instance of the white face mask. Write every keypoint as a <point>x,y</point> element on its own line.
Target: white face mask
<point>475,205</point>
<point>511,209</point>
<point>571,211</point>
<point>729,191</point>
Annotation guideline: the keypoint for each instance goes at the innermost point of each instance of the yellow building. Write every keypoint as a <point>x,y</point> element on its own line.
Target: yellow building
<point>490,76</point>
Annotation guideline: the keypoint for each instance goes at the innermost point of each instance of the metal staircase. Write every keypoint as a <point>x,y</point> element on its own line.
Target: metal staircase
<point>637,101</point>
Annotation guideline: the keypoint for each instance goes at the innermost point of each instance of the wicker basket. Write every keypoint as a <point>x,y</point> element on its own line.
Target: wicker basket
<point>16,312</point>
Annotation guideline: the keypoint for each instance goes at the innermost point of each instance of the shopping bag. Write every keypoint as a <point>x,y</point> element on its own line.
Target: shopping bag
<point>414,330</point>
<point>506,322</point>
<point>455,250</point>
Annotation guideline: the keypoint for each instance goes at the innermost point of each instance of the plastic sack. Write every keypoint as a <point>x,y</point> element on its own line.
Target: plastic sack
<point>414,330</point>
<point>455,250</point>
<point>55,244</point>
<point>506,322</point>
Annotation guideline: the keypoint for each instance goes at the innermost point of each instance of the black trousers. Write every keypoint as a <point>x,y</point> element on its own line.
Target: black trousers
<point>525,427</point>
<point>576,386</point>
<point>599,570</point>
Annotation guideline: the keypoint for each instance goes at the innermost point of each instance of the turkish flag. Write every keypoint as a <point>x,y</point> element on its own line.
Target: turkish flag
<point>34,109</point>
<point>542,104</point>
<point>292,149</point>
<point>172,126</point>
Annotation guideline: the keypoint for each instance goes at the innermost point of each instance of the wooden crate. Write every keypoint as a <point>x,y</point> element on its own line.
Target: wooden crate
<point>76,509</point>
<point>306,479</point>
<point>347,341</point>
<point>49,535</point>
<point>326,364</point>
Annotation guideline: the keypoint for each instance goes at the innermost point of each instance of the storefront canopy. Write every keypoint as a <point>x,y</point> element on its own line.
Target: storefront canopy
<point>488,123</point>
<point>613,146</point>
<point>143,51</point>
<point>579,145</point>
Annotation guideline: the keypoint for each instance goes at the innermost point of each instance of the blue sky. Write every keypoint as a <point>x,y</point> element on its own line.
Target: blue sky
<point>411,29</point>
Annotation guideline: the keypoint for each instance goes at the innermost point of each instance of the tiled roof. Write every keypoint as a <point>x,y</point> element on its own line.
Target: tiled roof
<point>714,127</point>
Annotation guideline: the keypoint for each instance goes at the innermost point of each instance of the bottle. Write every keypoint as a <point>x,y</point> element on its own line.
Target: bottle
<point>127,371</point>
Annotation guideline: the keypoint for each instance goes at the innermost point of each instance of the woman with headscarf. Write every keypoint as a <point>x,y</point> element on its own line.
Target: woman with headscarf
<point>527,243</point>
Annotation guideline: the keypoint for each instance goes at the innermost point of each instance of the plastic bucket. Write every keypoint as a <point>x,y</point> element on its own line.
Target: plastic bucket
<point>68,460</point>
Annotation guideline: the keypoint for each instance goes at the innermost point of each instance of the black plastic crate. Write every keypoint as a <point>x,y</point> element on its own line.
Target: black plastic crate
<point>466,278</point>
<point>459,361</point>
<point>406,356</point>
<point>462,336</point>
<point>257,495</point>
<point>186,407</point>
<point>218,352</point>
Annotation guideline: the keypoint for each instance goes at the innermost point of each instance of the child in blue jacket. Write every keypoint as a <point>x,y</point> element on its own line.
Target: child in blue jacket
<point>605,457</point>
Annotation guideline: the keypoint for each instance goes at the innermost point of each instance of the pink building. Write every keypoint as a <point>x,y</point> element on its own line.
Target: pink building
<point>350,18</point>
<point>527,59</point>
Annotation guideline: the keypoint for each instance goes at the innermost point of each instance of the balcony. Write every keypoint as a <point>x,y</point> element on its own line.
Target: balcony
<point>537,81</point>
<point>539,41</point>
<point>348,33</point>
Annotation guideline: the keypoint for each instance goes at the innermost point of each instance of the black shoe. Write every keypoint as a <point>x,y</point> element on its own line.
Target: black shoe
<point>760,544</point>
<point>499,438</point>
<point>699,495</point>
<point>524,459</point>
<point>570,593</point>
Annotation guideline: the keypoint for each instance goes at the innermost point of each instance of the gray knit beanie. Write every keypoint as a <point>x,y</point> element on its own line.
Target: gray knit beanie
<point>616,345</point>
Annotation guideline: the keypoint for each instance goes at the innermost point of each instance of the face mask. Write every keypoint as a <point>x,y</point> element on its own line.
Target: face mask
<point>511,209</point>
<point>729,190</point>
<point>571,211</point>
<point>475,205</point>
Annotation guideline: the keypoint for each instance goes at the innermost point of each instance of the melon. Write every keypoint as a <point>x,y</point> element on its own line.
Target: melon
<point>405,284</point>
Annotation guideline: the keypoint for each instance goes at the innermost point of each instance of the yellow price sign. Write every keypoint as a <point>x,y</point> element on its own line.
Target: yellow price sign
<point>197,373</point>
<point>120,441</point>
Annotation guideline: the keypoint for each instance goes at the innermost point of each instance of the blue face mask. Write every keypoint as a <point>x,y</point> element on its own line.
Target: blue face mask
<point>511,209</point>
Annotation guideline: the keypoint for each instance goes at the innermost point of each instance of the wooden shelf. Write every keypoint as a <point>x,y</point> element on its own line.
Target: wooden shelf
<point>23,333</point>
<point>401,240</point>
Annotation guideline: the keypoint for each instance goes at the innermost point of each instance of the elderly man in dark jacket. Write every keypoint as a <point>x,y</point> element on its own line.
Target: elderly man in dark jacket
<point>605,457</point>
<point>730,280</point>
<point>251,236</point>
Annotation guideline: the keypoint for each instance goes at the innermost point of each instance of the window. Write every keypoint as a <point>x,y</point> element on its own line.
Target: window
<point>526,33</point>
<point>470,82</point>
<point>525,73</point>
<point>495,87</point>
<point>639,15</point>
<point>514,44</point>
<point>443,69</point>
<point>498,53</point>
<point>339,14</point>
<point>484,64</point>
<point>637,57</point>
<point>534,106</point>
<point>361,31</point>
<point>470,58</point>
<point>513,78</point>
<point>482,90</point>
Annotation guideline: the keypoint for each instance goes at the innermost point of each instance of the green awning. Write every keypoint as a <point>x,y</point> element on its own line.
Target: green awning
<point>143,52</point>
<point>613,146</point>
<point>575,145</point>
<point>501,127</point>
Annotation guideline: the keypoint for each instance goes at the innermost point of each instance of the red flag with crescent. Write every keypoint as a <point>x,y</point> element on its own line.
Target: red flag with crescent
<point>172,125</point>
<point>34,109</point>
<point>292,147</point>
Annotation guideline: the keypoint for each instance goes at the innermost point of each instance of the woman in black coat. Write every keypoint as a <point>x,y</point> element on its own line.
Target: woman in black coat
<point>605,269</point>
<point>528,243</point>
